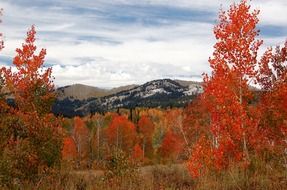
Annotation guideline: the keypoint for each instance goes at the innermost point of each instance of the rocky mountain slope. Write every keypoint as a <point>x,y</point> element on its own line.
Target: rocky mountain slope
<point>157,93</point>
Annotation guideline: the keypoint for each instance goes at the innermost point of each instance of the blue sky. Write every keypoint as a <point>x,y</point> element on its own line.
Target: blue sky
<point>108,43</point>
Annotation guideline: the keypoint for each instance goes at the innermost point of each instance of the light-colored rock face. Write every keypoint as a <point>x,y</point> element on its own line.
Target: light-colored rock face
<point>193,89</point>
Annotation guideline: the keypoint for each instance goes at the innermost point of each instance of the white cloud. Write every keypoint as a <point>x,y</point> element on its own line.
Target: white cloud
<point>98,42</point>
<point>272,12</point>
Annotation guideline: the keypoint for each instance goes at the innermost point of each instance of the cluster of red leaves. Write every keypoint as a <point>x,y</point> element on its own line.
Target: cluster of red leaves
<point>121,133</point>
<point>272,109</point>
<point>30,135</point>
<point>138,153</point>
<point>80,131</point>
<point>69,150</point>
<point>235,126</point>
<point>80,136</point>
<point>171,144</point>
<point>32,85</point>
<point>201,157</point>
<point>98,136</point>
<point>146,127</point>
<point>146,130</point>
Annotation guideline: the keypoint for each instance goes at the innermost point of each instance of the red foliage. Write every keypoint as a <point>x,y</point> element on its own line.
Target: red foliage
<point>226,94</point>
<point>272,77</point>
<point>272,68</point>
<point>146,130</point>
<point>146,126</point>
<point>121,133</point>
<point>69,151</point>
<point>138,153</point>
<point>201,157</point>
<point>80,129</point>
<point>31,85</point>
<point>196,120</point>
<point>171,145</point>
<point>80,136</point>
<point>33,134</point>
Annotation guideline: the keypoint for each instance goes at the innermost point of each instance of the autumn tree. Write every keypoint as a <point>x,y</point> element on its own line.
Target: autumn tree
<point>95,124</point>
<point>146,130</point>
<point>195,121</point>
<point>80,135</point>
<point>138,153</point>
<point>175,122</point>
<point>272,77</point>
<point>171,145</point>
<point>121,134</point>
<point>69,151</point>
<point>34,141</point>
<point>201,159</point>
<point>226,92</point>
<point>32,86</point>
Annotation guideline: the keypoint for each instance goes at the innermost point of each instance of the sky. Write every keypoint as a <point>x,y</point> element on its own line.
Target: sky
<point>110,43</point>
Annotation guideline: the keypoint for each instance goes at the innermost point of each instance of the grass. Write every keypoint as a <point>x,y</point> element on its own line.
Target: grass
<point>260,176</point>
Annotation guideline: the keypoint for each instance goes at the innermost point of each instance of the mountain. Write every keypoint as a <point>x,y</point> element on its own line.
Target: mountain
<point>82,92</point>
<point>83,100</point>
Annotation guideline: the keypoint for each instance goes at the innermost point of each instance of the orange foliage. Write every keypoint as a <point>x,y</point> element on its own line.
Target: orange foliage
<point>201,158</point>
<point>80,129</point>
<point>272,77</point>
<point>196,120</point>
<point>31,132</point>
<point>171,145</point>
<point>80,136</point>
<point>121,133</point>
<point>137,153</point>
<point>174,118</point>
<point>32,85</point>
<point>146,130</point>
<point>146,126</point>
<point>226,94</point>
<point>69,151</point>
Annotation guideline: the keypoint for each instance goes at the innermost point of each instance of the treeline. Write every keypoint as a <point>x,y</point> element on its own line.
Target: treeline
<point>154,136</point>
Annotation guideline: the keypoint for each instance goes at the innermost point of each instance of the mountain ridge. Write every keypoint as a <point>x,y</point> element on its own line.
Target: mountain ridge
<point>156,93</point>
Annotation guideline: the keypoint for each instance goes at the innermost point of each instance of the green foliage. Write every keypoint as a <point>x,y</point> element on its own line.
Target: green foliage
<point>49,146</point>
<point>118,164</point>
<point>158,137</point>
